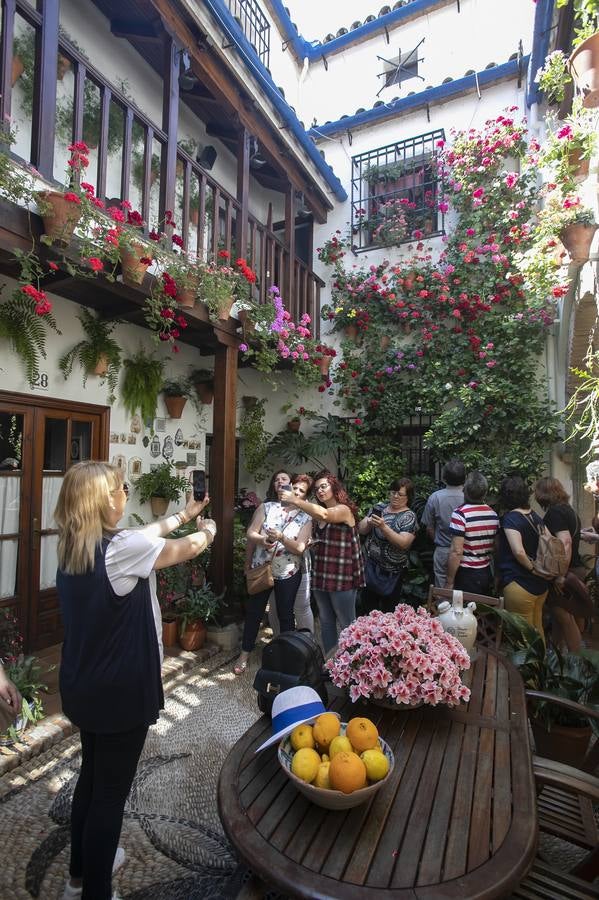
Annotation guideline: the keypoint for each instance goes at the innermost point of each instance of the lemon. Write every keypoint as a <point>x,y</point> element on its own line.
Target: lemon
<point>301,736</point>
<point>340,744</point>
<point>377,764</point>
<point>322,776</point>
<point>305,764</point>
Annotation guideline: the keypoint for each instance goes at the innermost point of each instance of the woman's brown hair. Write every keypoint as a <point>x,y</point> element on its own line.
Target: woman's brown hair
<point>339,492</point>
<point>303,479</point>
<point>549,491</point>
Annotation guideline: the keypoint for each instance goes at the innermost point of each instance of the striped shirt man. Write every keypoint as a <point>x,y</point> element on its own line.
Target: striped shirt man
<point>477,524</point>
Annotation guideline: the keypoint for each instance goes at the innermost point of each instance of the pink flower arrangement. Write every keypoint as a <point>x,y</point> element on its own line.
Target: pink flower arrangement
<point>403,656</point>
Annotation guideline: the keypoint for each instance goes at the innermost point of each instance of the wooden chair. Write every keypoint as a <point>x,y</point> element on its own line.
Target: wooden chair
<point>489,626</point>
<point>544,881</point>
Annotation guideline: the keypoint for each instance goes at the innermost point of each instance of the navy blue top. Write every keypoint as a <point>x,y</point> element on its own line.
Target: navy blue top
<point>110,667</point>
<point>509,567</point>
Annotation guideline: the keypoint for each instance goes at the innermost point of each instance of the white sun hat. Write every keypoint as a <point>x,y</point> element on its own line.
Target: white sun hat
<point>290,708</point>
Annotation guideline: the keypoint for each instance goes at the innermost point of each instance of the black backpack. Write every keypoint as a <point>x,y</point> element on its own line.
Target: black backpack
<point>291,658</point>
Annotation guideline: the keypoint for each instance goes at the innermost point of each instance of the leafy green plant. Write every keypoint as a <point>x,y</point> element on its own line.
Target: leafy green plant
<point>161,482</point>
<point>177,387</point>
<point>201,376</point>
<point>255,439</point>
<point>199,603</point>
<point>25,671</point>
<point>141,384</point>
<point>586,14</point>
<point>98,342</point>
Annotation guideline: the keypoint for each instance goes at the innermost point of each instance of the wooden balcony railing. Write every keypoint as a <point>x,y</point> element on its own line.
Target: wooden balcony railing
<point>56,96</point>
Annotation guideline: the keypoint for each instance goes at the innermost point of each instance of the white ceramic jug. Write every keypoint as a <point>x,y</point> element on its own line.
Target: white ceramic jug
<point>459,621</point>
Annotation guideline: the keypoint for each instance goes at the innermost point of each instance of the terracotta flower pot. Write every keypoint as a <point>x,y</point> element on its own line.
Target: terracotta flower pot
<point>131,263</point>
<point>62,67</point>
<point>578,165</point>
<point>194,636</point>
<point>170,628</point>
<point>101,367</point>
<point>175,406</point>
<point>351,332</point>
<point>224,309</point>
<point>324,364</point>
<point>584,69</point>
<point>205,391</point>
<point>249,402</point>
<point>61,216</point>
<point>564,744</point>
<point>158,505</point>
<point>187,298</point>
<point>577,240</point>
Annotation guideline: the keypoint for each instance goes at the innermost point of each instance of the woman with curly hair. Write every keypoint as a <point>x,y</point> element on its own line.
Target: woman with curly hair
<point>338,564</point>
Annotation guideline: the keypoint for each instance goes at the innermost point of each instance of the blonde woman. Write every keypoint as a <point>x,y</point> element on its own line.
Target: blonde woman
<point>110,668</point>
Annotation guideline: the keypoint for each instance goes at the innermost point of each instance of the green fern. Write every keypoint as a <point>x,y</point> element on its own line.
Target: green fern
<point>141,384</point>
<point>88,351</point>
<point>25,331</point>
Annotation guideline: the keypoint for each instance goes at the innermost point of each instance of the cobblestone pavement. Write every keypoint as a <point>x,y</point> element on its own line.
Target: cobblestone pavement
<point>172,836</point>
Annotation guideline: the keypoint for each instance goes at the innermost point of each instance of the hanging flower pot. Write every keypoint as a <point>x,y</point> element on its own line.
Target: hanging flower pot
<point>205,391</point>
<point>351,332</point>
<point>187,298</point>
<point>578,165</point>
<point>133,263</point>
<point>577,239</point>
<point>18,67</point>
<point>158,505</point>
<point>170,627</point>
<point>406,327</point>
<point>324,364</point>
<point>584,69</point>
<point>175,406</point>
<point>224,309</point>
<point>60,215</point>
<point>101,367</point>
<point>194,636</point>
<point>62,67</point>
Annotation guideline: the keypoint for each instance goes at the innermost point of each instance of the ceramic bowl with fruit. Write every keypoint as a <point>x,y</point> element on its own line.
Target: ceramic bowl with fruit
<point>336,765</point>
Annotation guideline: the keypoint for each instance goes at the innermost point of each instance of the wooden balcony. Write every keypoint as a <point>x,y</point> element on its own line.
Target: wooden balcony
<point>135,159</point>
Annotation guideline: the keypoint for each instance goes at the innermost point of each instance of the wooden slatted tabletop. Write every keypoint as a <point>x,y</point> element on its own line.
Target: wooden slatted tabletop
<point>455,818</point>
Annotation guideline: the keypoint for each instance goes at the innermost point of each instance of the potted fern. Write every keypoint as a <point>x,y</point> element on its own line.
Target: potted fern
<point>175,393</point>
<point>161,487</point>
<point>141,384</point>
<point>97,354</point>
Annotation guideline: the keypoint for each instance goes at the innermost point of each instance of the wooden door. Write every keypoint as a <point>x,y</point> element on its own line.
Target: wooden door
<point>38,443</point>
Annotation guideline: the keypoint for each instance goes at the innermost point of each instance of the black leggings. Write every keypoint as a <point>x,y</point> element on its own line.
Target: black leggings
<point>107,771</point>
<point>285,590</point>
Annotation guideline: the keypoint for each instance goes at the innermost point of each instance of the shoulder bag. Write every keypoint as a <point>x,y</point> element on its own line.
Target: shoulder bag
<point>260,578</point>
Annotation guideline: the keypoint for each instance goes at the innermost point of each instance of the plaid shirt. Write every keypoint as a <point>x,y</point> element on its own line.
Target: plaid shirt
<point>338,559</point>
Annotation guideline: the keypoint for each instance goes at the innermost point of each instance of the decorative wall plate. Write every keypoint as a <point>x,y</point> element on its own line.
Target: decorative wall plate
<point>178,437</point>
<point>155,446</point>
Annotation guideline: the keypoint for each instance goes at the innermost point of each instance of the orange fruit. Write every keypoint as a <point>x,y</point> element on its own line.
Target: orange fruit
<point>326,727</point>
<point>347,772</point>
<point>363,734</point>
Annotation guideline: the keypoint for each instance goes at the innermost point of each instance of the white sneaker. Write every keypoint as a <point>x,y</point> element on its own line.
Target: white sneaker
<point>74,893</point>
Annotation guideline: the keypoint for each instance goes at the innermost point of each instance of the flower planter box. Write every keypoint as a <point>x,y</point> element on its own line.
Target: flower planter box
<point>205,392</point>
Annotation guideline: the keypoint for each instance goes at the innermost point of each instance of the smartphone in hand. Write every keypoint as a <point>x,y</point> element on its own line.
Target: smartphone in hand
<point>199,484</point>
<point>287,489</point>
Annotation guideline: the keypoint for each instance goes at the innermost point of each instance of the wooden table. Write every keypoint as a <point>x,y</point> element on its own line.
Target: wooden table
<point>456,817</point>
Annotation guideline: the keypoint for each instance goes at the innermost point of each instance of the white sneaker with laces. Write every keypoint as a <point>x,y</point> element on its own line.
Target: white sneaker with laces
<point>74,893</point>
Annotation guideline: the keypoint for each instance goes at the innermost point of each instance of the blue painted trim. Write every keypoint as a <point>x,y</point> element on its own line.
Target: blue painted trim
<point>540,47</point>
<point>315,51</point>
<point>431,95</point>
<point>227,22</point>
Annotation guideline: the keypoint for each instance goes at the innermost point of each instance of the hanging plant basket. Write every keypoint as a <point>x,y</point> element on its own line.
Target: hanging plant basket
<point>205,391</point>
<point>131,264</point>
<point>584,69</point>
<point>101,367</point>
<point>294,425</point>
<point>60,216</point>
<point>158,505</point>
<point>577,240</point>
<point>175,406</point>
<point>18,67</point>
<point>351,332</point>
<point>249,402</point>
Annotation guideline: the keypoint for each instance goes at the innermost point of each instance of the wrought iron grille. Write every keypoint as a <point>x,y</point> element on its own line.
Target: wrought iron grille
<point>416,459</point>
<point>394,193</point>
<point>254,25</point>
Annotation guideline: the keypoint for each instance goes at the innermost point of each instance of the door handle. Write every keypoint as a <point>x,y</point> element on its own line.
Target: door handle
<point>37,531</point>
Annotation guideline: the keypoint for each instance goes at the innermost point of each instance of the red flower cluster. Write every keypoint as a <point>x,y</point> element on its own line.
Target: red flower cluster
<point>169,285</point>
<point>42,304</point>
<point>79,156</point>
<point>245,270</point>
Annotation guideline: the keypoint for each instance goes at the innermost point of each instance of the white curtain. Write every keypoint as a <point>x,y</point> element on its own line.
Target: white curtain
<point>51,485</point>
<point>10,493</point>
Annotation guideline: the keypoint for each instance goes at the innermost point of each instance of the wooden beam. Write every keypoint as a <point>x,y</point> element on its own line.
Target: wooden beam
<point>290,242</point>
<point>170,124</point>
<point>222,474</point>
<point>44,90</point>
<point>243,191</point>
<point>217,78</point>
<point>133,30</point>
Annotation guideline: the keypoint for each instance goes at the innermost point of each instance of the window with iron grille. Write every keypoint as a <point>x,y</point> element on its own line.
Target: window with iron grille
<point>416,459</point>
<point>254,25</point>
<point>394,193</point>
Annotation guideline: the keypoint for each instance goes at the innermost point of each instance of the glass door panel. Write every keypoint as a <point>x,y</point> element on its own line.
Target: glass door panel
<point>11,442</point>
<point>55,445</point>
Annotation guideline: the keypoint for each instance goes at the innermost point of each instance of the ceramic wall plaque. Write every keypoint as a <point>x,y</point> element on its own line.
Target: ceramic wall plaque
<point>168,448</point>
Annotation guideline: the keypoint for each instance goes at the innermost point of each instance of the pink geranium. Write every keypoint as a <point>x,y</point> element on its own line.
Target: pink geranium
<point>403,656</point>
